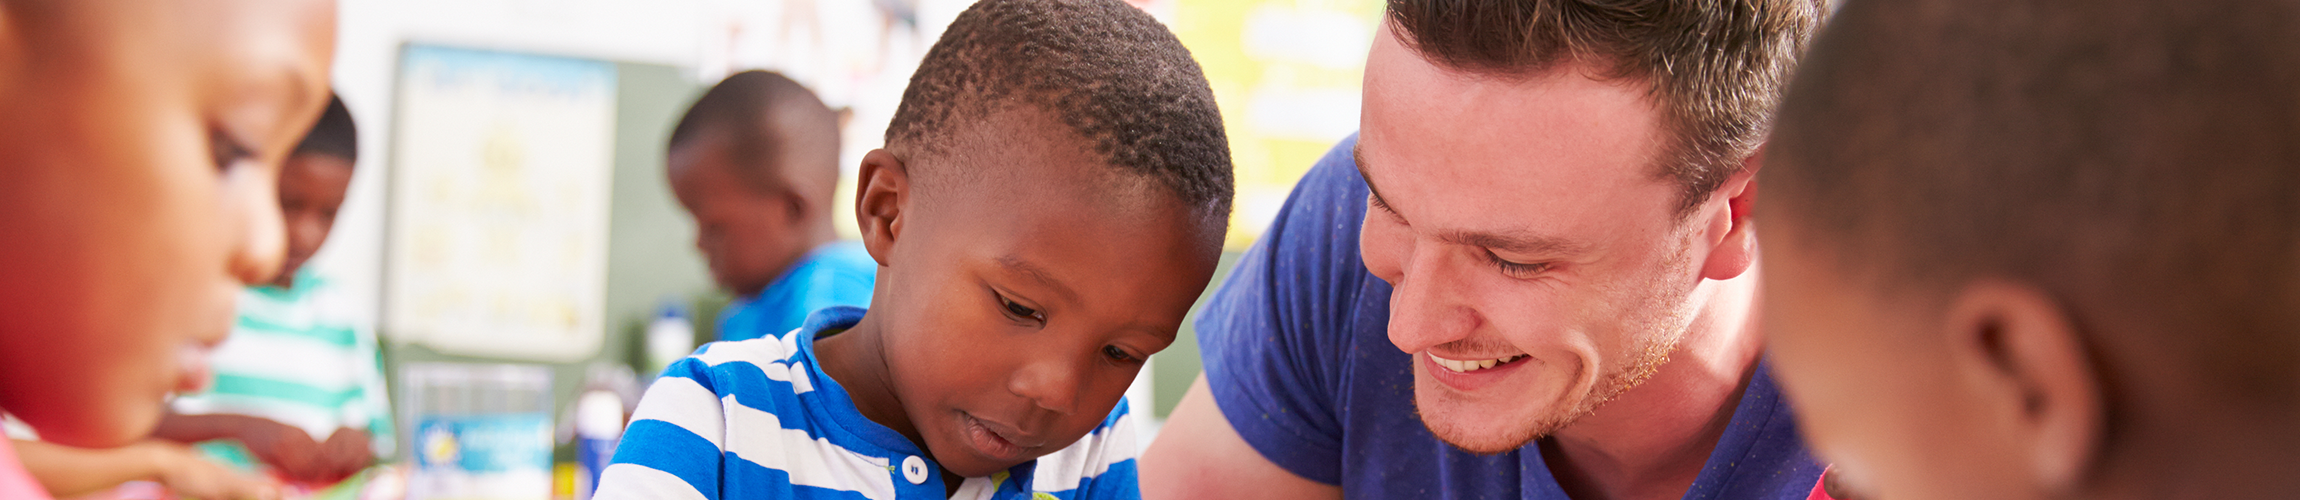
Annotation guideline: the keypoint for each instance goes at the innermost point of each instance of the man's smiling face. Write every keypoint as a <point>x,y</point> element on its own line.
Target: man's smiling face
<point>1539,263</point>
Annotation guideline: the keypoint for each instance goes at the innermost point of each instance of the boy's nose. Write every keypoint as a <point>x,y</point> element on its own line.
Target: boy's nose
<point>252,203</point>
<point>1052,384</point>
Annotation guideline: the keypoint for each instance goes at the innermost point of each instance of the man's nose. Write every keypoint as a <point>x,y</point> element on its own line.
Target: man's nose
<point>1427,306</point>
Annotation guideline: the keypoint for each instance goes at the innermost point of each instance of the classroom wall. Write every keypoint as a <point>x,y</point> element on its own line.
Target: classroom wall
<point>667,50</point>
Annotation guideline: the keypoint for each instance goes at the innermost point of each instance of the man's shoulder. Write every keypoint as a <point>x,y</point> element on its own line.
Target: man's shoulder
<point>1327,205</point>
<point>1288,336</point>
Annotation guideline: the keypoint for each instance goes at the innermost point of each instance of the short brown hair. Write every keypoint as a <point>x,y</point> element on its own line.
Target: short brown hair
<point>1716,67</point>
<point>2139,161</point>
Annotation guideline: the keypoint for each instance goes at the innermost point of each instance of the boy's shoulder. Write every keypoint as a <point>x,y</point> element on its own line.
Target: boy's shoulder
<point>723,366</point>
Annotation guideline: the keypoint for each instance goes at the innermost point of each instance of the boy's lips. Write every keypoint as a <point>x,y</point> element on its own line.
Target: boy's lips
<point>999,441</point>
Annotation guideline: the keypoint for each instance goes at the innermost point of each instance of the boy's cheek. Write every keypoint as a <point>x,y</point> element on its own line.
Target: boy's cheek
<point>98,391</point>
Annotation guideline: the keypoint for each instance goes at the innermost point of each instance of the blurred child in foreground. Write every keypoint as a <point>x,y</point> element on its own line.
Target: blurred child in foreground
<point>297,386</point>
<point>138,164</point>
<point>2043,248</point>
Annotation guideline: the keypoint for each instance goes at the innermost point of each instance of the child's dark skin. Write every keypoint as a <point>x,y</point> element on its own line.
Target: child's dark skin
<point>311,191</point>
<point>140,149</point>
<point>312,188</point>
<point>1016,300</point>
<point>749,234</point>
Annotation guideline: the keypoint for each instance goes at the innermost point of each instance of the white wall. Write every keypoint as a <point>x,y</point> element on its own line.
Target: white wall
<point>713,37</point>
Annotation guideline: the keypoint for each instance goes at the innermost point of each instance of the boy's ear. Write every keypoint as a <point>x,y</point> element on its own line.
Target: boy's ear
<point>798,206</point>
<point>1735,242</point>
<point>882,191</point>
<point>2035,376</point>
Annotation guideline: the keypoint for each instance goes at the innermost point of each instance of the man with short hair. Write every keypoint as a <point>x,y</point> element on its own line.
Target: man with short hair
<point>1530,276</point>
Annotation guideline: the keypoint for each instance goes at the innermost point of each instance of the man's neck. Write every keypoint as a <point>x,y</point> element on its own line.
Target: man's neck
<point>1652,442</point>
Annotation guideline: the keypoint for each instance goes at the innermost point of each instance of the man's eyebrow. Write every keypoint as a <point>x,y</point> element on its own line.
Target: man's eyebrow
<point>1358,159</point>
<point>1519,244</point>
<point>1035,273</point>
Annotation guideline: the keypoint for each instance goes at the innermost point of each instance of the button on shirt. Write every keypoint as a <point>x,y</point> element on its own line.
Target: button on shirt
<point>759,419</point>
<point>1298,357</point>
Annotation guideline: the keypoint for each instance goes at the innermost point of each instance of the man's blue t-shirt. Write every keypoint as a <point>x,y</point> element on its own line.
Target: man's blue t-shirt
<point>839,273</point>
<point>1298,356</point>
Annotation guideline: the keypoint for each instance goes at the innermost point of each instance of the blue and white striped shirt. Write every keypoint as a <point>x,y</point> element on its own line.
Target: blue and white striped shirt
<point>759,419</point>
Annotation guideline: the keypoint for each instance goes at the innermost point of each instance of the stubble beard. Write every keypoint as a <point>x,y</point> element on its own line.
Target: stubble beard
<point>1658,321</point>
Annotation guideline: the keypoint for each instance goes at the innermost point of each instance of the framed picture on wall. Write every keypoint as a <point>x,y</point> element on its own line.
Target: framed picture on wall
<point>498,206</point>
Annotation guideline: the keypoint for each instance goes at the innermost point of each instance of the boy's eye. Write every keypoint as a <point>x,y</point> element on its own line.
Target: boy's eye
<point>1119,355</point>
<point>225,151</point>
<point>1020,311</point>
<point>1514,269</point>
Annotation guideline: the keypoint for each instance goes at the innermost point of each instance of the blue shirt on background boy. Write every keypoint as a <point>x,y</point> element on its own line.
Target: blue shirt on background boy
<point>835,274</point>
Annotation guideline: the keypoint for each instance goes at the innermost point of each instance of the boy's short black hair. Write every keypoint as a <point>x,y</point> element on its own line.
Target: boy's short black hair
<point>768,114</point>
<point>1107,70</point>
<point>2137,160</point>
<point>334,135</point>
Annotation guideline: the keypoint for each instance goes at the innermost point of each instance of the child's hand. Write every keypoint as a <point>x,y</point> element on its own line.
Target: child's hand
<point>345,453</point>
<point>289,450</point>
<point>183,471</point>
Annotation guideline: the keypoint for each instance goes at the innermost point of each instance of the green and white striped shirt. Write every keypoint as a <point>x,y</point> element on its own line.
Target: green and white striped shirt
<point>295,358</point>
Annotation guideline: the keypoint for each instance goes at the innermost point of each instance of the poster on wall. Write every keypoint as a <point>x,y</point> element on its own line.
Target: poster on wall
<point>1286,74</point>
<point>498,205</point>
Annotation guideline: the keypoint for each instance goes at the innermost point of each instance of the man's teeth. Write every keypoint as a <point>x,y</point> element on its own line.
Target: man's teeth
<point>1471,365</point>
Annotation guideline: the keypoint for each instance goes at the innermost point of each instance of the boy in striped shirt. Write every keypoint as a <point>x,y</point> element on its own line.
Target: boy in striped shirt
<point>1052,198</point>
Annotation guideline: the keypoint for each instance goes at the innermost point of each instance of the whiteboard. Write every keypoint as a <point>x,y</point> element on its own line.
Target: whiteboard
<point>499,197</point>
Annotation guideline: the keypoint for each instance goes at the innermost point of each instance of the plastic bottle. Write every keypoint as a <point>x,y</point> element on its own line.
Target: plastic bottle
<point>598,426</point>
<point>670,337</point>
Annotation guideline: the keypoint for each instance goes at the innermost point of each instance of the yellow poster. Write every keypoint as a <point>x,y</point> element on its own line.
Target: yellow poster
<point>1286,74</point>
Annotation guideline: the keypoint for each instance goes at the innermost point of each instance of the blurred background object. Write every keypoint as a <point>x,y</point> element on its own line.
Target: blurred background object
<point>477,431</point>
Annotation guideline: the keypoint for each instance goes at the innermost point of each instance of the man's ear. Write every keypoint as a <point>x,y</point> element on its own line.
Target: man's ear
<point>2034,374</point>
<point>1734,244</point>
<point>882,191</point>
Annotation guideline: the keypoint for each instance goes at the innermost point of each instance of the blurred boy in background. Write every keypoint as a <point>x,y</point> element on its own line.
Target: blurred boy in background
<point>297,386</point>
<point>755,161</point>
<point>2043,248</point>
<point>138,164</point>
